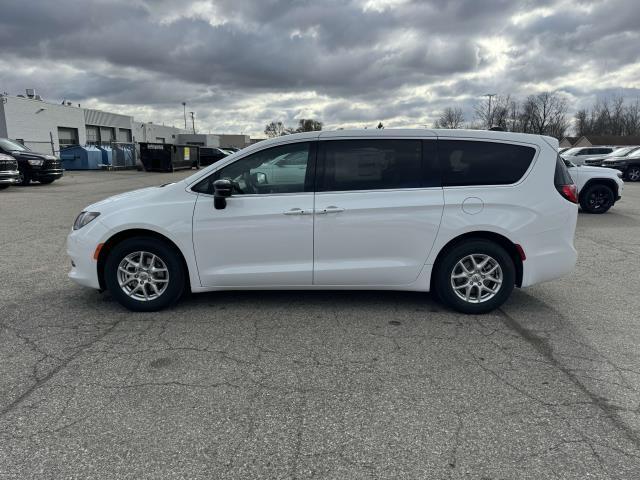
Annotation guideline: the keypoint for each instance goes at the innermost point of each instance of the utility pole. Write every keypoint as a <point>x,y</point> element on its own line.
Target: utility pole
<point>184,109</point>
<point>193,121</point>
<point>490,95</point>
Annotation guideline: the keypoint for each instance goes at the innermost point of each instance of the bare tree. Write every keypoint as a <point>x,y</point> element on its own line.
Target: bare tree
<point>450,118</point>
<point>609,116</point>
<point>493,111</point>
<point>545,114</point>
<point>308,125</point>
<point>275,129</point>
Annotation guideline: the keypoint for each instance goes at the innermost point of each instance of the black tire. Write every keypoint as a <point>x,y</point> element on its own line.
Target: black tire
<point>633,174</point>
<point>597,198</point>
<point>442,282</point>
<point>47,181</point>
<point>172,260</point>
<point>24,179</point>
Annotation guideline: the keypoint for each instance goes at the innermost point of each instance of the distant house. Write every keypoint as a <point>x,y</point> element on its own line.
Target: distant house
<point>568,141</point>
<point>613,140</point>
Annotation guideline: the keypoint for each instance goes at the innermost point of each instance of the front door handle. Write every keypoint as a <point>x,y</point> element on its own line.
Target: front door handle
<point>330,209</point>
<point>295,211</point>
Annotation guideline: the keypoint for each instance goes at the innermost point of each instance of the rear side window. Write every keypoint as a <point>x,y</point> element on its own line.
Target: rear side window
<point>370,165</point>
<point>562,175</point>
<point>465,162</point>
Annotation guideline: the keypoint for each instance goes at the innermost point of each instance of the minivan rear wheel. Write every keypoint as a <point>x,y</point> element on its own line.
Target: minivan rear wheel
<point>144,274</point>
<point>475,276</point>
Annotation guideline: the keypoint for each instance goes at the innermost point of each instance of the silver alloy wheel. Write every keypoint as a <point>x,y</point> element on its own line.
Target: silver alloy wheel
<point>143,276</point>
<point>476,278</point>
<point>634,174</point>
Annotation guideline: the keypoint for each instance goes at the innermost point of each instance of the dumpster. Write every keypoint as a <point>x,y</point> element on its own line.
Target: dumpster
<point>77,157</point>
<point>123,155</point>
<point>107,155</point>
<point>162,157</point>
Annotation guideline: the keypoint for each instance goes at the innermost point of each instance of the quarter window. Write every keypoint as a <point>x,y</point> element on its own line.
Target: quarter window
<point>370,164</point>
<point>465,162</point>
<point>284,169</point>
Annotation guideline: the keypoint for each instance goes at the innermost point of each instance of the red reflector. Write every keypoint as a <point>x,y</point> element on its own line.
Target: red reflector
<point>96,254</point>
<point>523,257</point>
<point>570,192</point>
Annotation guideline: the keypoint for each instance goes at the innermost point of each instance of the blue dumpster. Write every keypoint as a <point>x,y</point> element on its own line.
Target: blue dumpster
<point>81,158</point>
<point>107,155</point>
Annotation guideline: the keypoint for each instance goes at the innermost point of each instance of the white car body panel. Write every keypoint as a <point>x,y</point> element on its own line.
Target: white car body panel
<point>383,239</point>
<point>581,175</point>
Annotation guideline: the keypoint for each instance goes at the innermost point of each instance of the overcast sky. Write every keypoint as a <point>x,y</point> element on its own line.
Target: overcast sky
<point>241,63</point>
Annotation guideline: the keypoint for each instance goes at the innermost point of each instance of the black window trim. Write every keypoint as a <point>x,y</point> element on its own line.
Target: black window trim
<point>491,140</point>
<point>309,180</point>
<point>320,165</point>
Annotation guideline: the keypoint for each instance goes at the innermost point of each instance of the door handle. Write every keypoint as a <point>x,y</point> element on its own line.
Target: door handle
<point>294,211</point>
<point>330,209</point>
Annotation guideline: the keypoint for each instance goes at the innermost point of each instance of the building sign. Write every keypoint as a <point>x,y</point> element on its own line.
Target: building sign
<point>187,153</point>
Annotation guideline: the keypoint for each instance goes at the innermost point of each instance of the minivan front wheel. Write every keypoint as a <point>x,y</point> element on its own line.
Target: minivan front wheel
<point>144,274</point>
<point>475,276</point>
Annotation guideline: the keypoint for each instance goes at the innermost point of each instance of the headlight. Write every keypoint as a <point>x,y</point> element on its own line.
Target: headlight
<point>84,218</point>
<point>36,163</point>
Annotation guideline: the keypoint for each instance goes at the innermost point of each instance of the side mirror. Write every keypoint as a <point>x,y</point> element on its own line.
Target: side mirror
<point>221,190</point>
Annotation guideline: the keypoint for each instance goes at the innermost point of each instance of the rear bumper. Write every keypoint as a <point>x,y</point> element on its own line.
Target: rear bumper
<point>550,254</point>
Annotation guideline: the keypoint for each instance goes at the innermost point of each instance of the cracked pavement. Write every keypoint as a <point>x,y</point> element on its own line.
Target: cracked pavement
<point>313,384</point>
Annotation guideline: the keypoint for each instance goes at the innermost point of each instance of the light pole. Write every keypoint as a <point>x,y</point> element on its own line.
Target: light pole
<point>193,121</point>
<point>184,109</point>
<point>490,95</point>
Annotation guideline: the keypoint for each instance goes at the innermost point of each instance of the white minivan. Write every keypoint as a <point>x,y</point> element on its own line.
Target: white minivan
<point>466,214</point>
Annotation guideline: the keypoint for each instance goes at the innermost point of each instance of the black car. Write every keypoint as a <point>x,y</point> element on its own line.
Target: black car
<point>616,154</point>
<point>629,165</point>
<point>31,165</point>
<point>210,155</point>
<point>9,174</point>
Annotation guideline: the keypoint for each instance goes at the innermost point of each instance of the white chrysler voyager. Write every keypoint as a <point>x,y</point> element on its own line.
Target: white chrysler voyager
<point>466,214</point>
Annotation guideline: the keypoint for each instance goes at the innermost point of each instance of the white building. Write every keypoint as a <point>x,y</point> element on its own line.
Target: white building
<point>46,127</point>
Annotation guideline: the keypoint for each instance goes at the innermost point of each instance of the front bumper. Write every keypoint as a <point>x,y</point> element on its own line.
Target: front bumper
<point>9,177</point>
<point>49,174</point>
<point>81,245</point>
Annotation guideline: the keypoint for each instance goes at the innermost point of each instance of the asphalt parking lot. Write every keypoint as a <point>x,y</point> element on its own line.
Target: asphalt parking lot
<point>320,384</point>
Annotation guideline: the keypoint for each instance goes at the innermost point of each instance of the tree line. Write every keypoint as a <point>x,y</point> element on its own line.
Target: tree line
<point>546,114</point>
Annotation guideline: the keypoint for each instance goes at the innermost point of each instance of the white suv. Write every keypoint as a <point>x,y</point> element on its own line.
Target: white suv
<point>467,214</point>
<point>598,188</point>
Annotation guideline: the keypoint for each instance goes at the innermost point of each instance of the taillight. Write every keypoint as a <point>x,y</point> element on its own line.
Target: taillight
<point>570,192</point>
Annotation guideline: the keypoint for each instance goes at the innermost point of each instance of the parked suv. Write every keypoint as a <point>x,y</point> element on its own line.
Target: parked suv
<point>31,165</point>
<point>629,165</point>
<point>579,155</point>
<point>9,174</point>
<point>616,154</point>
<point>467,214</point>
<point>598,188</point>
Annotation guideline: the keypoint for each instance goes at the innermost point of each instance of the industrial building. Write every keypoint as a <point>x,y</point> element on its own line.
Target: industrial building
<point>47,127</point>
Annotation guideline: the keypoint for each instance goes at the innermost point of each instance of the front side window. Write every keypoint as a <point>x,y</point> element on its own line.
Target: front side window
<point>284,169</point>
<point>466,162</point>
<point>370,164</point>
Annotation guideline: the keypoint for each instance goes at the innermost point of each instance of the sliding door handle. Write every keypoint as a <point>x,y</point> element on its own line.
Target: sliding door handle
<point>330,209</point>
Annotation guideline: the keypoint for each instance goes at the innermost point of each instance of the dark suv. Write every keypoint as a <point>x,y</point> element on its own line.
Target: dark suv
<point>8,171</point>
<point>31,165</point>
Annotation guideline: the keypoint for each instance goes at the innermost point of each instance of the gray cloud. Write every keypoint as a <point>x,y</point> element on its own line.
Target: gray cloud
<point>241,64</point>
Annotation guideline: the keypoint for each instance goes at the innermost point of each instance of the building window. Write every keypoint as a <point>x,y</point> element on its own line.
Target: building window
<point>124,135</point>
<point>67,136</point>
<point>107,134</point>
<point>93,135</point>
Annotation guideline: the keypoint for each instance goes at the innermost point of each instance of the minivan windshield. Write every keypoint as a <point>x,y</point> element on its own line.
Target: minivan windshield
<point>11,146</point>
